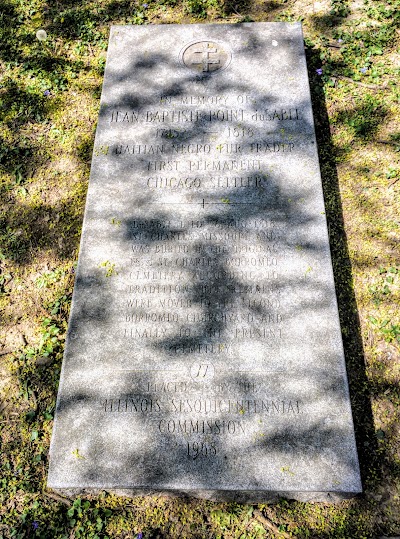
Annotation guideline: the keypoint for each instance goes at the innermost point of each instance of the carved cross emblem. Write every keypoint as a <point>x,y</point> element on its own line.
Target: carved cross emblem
<point>206,56</point>
<point>206,60</point>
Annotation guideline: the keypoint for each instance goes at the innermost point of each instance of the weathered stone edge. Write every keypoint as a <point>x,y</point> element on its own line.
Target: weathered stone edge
<point>240,496</point>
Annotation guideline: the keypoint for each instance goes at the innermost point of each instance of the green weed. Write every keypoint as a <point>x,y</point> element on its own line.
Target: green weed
<point>389,329</point>
<point>383,289</point>
<point>339,8</point>
<point>49,278</point>
<point>197,8</point>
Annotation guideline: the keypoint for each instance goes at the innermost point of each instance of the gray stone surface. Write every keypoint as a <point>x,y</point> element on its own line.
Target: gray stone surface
<point>204,353</point>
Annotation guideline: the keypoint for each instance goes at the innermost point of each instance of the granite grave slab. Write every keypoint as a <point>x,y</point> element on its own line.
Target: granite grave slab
<point>204,353</point>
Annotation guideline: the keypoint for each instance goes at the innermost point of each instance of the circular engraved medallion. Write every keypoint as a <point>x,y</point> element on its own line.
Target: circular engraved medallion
<point>206,56</point>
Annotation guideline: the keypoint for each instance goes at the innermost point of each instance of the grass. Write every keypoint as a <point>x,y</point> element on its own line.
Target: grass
<point>49,98</point>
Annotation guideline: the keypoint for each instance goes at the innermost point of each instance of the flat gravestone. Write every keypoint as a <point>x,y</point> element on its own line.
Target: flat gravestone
<point>204,352</point>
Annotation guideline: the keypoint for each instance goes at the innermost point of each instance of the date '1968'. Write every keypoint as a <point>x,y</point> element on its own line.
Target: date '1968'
<point>201,449</point>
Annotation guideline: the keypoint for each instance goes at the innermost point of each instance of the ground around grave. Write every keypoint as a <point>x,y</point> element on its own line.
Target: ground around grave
<point>49,98</point>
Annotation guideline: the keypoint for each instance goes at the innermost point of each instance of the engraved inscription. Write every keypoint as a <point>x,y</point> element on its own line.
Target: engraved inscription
<point>284,116</point>
<point>233,263</point>
<point>200,406</point>
<point>198,286</point>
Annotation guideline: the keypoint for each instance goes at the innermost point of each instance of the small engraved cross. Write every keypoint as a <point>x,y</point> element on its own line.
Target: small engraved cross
<point>206,60</point>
